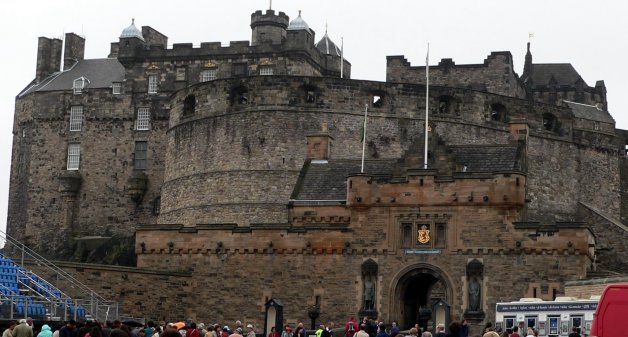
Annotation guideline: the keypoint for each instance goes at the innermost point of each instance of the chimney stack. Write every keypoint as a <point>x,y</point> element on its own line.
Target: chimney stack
<point>48,57</point>
<point>74,50</point>
<point>319,145</point>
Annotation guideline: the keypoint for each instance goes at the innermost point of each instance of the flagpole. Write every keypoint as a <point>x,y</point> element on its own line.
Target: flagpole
<point>366,109</point>
<point>427,99</point>
<point>342,57</point>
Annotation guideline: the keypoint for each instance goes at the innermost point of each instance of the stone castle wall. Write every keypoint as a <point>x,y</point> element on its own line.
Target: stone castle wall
<point>261,140</point>
<point>496,75</point>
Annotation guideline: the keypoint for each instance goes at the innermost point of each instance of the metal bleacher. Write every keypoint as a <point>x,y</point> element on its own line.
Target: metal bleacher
<point>25,294</point>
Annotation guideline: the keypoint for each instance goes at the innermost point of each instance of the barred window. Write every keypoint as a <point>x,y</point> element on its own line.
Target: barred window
<point>116,88</point>
<point>209,75</point>
<point>143,119</point>
<point>74,156</point>
<point>78,85</point>
<point>266,70</point>
<point>141,155</point>
<point>76,117</point>
<point>152,84</point>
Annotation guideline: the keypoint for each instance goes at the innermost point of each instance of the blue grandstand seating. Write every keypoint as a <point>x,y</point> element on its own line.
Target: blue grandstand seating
<point>13,275</point>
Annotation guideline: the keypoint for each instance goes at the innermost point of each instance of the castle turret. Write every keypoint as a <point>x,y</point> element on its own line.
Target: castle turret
<point>131,40</point>
<point>268,27</point>
<point>48,57</point>
<point>74,50</point>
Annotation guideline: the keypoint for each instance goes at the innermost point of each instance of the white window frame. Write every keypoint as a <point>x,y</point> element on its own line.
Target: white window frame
<point>74,156</point>
<point>266,70</point>
<point>76,117</point>
<point>209,74</point>
<point>78,85</point>
<point>116,88</point>
<point>152,83</point>
<point>142,122</point>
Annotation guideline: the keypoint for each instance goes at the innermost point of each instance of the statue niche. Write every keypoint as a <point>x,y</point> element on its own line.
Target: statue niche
<point>475,275</point>
<point>369,287</point>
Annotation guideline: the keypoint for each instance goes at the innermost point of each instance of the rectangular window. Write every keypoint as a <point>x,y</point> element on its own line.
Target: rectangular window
<point>74,156</point>
<point>76,117</point>
<point>152,84</point>
<point>140,158</point>
<point>266,70</point>
<point>142,122</point>
<point>180,74</point>
<point>116,88</point>
<point>209,75</point>
<point>240,69</point>
<point>78,85</point>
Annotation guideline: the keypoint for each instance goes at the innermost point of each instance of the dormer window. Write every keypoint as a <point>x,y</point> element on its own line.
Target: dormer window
<point>78,85</point>
<point>116,88</point>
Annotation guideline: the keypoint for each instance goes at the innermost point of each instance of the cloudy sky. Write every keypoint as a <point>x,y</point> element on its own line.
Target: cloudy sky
<point>590,35</point>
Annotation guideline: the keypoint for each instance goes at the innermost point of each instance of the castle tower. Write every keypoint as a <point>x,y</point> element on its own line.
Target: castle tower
<point>131,40</point>
<point>268,27</point>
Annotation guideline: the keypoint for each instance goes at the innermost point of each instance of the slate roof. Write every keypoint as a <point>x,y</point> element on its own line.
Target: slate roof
<point>486,158</point>
<point>563,73</point>
<point>590,112</point>
<point>100,73</point>
<point>328,181</point>
<point>327,46</point>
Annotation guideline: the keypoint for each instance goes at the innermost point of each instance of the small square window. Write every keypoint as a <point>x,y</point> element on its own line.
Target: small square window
<point>152,84</point>
<point>140,155</point>
<point>78,85</point>
<point>209,75</point>
<point>76,118</point>
<point>116,88</point>
<point>74,157</point>
<point>142,122</point>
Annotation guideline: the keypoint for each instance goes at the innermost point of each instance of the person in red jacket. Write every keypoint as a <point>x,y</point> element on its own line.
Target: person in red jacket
<point>351,327</point>
<point>192,331</point>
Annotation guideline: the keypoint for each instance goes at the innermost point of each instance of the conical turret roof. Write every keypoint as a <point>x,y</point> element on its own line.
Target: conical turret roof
<point>327,46</point>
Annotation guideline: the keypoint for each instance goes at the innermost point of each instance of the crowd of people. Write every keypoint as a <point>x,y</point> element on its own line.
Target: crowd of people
<point>352,328</point>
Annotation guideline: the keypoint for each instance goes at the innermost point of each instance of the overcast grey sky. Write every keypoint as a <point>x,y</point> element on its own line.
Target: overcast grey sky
<point>591,35</point>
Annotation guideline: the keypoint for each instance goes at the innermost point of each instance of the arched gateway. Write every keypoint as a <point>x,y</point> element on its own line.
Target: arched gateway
<point>421,293</point>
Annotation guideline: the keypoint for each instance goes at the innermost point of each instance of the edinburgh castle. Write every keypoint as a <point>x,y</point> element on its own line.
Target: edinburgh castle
<point>234,172</point>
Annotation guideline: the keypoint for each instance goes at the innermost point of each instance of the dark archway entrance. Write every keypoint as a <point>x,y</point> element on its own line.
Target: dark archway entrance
<point>422,295</point>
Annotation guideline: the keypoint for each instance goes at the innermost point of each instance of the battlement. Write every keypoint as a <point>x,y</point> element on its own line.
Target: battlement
<point>259,18</point>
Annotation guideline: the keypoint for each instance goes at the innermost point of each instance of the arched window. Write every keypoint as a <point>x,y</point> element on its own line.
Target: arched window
<point>498,112</point>
<point>446,104</point>
<point>240,95</point>
<point>377,99</point>
<point>189,105</point>
<point>310,93</point>
<point>550,123</point>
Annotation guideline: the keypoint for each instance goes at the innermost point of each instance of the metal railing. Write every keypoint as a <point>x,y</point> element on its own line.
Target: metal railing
<point>48,301</point>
